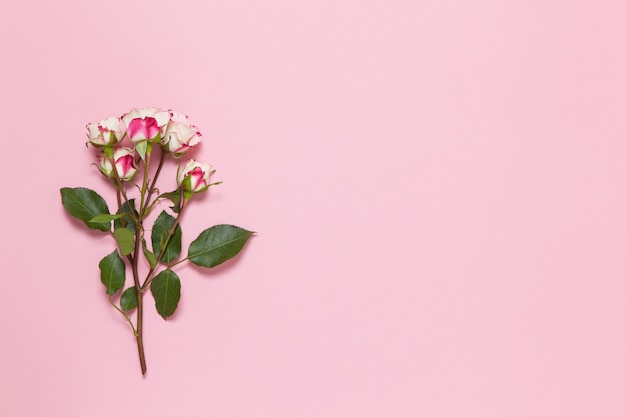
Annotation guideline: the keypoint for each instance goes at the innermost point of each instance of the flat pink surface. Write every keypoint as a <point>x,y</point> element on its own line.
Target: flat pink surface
<point>438,187</point>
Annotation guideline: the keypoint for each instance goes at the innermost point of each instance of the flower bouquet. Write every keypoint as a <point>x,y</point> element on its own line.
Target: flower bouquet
<point>128,147</point>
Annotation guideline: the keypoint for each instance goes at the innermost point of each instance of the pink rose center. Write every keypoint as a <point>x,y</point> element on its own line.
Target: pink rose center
<point>197,178</point>
<point>124,164</point>
<point>146,128</point>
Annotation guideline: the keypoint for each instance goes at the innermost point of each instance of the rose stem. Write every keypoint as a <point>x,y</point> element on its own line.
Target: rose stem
<point>139,333</point>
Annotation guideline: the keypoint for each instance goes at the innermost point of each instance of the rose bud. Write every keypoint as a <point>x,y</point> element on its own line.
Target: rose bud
<point>124,164</point>
<point>145,124</point>
<point>180,135</point>
<point>194,177</point>
<point>106,132</point>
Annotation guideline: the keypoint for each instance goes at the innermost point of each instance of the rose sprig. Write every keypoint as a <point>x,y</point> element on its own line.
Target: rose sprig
<point>126,147</point>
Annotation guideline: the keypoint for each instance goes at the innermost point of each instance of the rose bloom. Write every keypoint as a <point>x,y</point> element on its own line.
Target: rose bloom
<point>180,135</point>
<point>194,177</point>
<point>124,164</point>
<point>146,123</point>
<point>106,132</point>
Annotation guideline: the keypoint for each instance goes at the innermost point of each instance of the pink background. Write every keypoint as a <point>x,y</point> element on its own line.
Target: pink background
<point>438,189</point>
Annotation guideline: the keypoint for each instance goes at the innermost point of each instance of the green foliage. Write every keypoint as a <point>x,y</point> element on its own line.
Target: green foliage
<point>127,221</point>
<point>112,272</point>
<point>152,260</point>
<point>165,289</point>
<point>125,239</point>
<point>217,244</point>
<point>85,204</point>
<point>160,231</point>
<point>174,197</point>
<point>105,218</point>
<point>128,300</point>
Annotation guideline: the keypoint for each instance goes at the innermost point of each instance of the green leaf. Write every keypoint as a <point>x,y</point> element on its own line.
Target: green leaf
<point>160,230</point>
<point>142,149</point>
<point>174,197</point>
<point>128,300</point>
<point>165,289</point>
<point>149,255</point>
<point>127,221</point>
<point>85,204</point>
<point>105,218</point>
<point>217,244</point>
<point>125,239</point>
<point>112,272</point>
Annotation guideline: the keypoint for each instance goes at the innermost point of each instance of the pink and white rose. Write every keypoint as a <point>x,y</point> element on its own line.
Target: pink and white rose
<point>146,123</point>
<point>125,164</point>
<point>106,132</point>
<point>194,177</point>
<point>180,135</point>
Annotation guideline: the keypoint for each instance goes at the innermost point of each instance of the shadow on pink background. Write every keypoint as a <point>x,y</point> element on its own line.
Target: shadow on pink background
<point>437,186</point>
